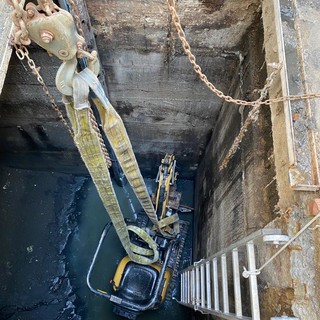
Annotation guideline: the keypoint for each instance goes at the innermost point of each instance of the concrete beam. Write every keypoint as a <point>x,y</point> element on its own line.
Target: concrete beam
<point>6,27</point>
<point>296,46</point>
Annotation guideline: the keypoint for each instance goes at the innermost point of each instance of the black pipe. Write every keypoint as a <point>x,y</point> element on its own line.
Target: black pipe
<point>103,235</point>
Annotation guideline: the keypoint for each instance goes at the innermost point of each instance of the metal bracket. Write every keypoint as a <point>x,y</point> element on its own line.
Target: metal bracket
<point>56,33</point>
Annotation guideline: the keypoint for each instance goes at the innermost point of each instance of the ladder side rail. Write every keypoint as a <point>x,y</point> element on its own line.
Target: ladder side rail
<point>253,283</point>
<point>255,236</point>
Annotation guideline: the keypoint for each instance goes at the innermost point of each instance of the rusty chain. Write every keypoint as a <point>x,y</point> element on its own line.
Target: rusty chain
<point>21,37</point>
<point>252,116</point>
<point>203,77</point>
<point>18,16</point>
<point>254,112</point>
<point>76,17</point>
<point>95,127</point>
<point>22,53</point>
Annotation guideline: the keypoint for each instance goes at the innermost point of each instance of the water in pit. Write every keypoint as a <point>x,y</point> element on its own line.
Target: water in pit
<point>85,239</point>
<point>50,226</point>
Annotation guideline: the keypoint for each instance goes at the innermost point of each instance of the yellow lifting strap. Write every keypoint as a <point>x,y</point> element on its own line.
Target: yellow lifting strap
<point>87,141</point>
<point>117,135</point>
<point>54,30</point>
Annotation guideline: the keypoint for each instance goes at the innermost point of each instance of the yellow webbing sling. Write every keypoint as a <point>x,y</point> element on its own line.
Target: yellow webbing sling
<point>87,140</point>
<point>121,145</point>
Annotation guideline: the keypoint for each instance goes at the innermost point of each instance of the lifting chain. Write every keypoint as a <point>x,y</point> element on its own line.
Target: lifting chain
<point>75,14</point>
<point>252,116</point>
<point>22,53</point>
<point>21,35</point>
<point>95,127</point>
<point>203,77</point>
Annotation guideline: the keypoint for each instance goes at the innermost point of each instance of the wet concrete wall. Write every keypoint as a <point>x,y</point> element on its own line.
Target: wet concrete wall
<point>289,285</point>
<point>241,198</point>
<point>164,106</point>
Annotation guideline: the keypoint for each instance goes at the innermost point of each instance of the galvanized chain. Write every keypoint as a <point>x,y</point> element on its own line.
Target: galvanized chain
<point>22,53</point>
<point>252,116</point>
<point>203,77</point>
<point>95,126</point>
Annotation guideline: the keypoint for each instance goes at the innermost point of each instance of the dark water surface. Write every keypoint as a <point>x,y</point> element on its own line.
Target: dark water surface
<point>82,246</point>
<point>50,226</point>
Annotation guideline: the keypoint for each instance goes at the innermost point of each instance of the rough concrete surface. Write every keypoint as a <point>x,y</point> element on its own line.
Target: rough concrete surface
<point>296,270</point>
<point>151,84</point>
<point>241,198</point>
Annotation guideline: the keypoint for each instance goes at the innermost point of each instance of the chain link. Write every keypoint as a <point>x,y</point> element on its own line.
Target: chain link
<point>203,77</point>
<point>76,17</point>
<point>22,53</point>
<point>18,16</point>
<point>91,57</point>
<point>252,116</point>
<point>95,127</point>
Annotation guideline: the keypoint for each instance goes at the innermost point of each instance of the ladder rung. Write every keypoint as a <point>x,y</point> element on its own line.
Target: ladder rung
<point>215,284</point>
<point>208,280</point>
<point>203,286</point>
<point>189,287</point>
<point>197,286</point>
<point>236,282</point>
<point>193,278</point>
<point>183,288</point>
<point>224,283</point>
<point>254,297</point>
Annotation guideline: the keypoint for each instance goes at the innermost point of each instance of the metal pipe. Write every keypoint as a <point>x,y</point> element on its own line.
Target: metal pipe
<point>103,235</point>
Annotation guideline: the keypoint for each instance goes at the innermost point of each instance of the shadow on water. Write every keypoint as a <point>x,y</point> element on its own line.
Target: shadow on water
<point>92,218</point>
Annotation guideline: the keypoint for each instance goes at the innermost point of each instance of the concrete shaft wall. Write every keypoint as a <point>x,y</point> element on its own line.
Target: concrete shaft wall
<point>240,199</point>
<point>297,270</point>
<point>164,106</point>
<point>255,190</point>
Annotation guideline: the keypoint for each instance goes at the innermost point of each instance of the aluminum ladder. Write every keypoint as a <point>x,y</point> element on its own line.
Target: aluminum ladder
<point>202,283</point>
